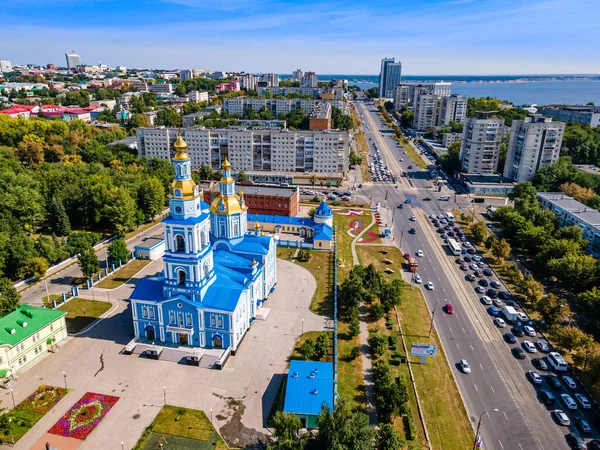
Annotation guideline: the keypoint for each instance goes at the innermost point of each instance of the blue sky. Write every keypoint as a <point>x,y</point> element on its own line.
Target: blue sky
<point>334,36</point>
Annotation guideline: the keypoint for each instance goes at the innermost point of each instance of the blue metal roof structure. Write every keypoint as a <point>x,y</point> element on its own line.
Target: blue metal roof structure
<point>323,232</point>
<point>323,210</point>
<point>309,385</point>
<point>188,221</point>
<point>253,244</point>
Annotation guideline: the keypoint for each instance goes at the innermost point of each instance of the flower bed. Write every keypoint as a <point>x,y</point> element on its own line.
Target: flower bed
<point>84,415</point>
<point>369,236</point>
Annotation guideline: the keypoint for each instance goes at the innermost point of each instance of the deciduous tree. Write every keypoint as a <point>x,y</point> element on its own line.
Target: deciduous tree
<point>501,250</point>
<point>479,232</point>
<point>88,261</point>
<point>58,218</point>
<point>118,251</point>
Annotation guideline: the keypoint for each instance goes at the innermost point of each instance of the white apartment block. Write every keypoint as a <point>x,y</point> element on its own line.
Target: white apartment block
<point>453,108</point>
<point>401,96</point>
<point>248,82</point>
<point>73,60</point>
<point>251,150</point>
<point>407,93</point>
<point>238,105</point>
<point>480,148</point>
<point>198,96</point>
<point>5,65</point>
<point>309,80</point>
<point>534,143</point>
<point>425,112</point>
<point>573,213</point>
<point>297,75</point>
<point>450,138</point>
<point>161,88</point>
<point>315,92</point>
<point>271,79</point>
<point>584,114</point>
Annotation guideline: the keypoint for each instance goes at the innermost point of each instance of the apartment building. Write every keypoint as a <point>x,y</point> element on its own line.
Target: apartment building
<point>248,82</point>
<point>252,150</point>
<point>450,138</point>
<point>584,114</point>
<point>269,80</point>
<point>277,107</point>
<point>401,96</point>
<point>309,80</point>
<point>534,143</point>
<point>573,213</point>
<point>73,60</point>
<point>231,86</point>
<point>407,93</point>
<point>425,112</point>
<point>315,92</point>
<point>161,88</point>
<point>453,108</point>
<point>389,77</point>
<point>5,65</point>
<point>198,96</point>
<point>480,150</point>
<point>320,119</point>
<point>297,75</point>
<point>188,74</point>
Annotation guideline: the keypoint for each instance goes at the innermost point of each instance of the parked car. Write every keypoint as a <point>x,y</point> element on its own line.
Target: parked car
<point>535,377</point>
<point>561,417</point>
<point>510,338</point>
<point>518,353</point>
<point>539,363</point>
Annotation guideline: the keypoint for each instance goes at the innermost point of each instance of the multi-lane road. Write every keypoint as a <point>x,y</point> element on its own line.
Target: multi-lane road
<point>497,380</point>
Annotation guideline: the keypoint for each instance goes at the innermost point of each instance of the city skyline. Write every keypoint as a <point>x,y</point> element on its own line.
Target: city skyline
<point>334,37</point>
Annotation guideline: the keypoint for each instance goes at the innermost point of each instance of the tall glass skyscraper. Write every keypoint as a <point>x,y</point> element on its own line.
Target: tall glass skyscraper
<point>389,77</point>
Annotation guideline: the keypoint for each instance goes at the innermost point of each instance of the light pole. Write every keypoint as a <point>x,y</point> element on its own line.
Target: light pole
<point>165,395</point>
<point>12,393</point>
<point>432,316</point>
<point>211,416</point>
<point>47,294</point>
<point>302,326</point>
<point>65,378</point>
<point>122,445</point>
<point>479,426</point>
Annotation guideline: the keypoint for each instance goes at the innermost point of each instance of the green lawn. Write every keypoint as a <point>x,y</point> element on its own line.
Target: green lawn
<point>182,428</point>
<point>48,300</point>
<point>122,275</point>
<point>82,312</point>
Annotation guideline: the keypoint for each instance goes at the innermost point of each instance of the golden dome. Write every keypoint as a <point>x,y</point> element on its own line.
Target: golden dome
<point>186,187</point>
<point>256,226</point>
<point>226,165</point>
<point>231,205</point>
<point>181,147</point>
<point>254,263</point>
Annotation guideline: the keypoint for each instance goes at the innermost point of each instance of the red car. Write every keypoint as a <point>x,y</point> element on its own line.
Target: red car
<point>449,309</point>
<point>407,256</point>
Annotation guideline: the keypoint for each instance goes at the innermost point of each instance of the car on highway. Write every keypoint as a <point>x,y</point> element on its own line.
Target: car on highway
<point>583,401</point>
<point>500,323</point>
<point>497,303</point>
<point>480,289</point>
<point>504,295</point>
<point>466,244</point>
<point>476,258</point>
<point>407,256</point>
<point>426,199</point>
<point>583,425</point>
<point>486,300</point>
<point>448,308</point>
<point>568,401</point>
<point>473,267</point>
<point>408,200</point>
<point>439,230</point>
<point>529,331</point>
<point>529,347</point>
<point>431,216</point>
<point>594,444</point>
<point>518,353</point>
<point>444,236</point>
<point>400,206</point>
<point>518,331</point>
<point>522,316</point>
<point>418,278</point>
<point>471,251</point>
<point>413,218</point>
<point>478,273</point>
<point>467,259</point>
<point>413,231</point>
<point>510,338</point>
<point>577,443</point>
<point>429,286</point>
<point>539,363</point>
<point>553,382</point>
<point>483,282</point>
<point>542,346</point>
<point>464,366</point>
<point>419,253</point>
<point>492,293</point>
<point>464,267</point>
<point>535,377</point>
<point>569,382</point>
<point>494,284</point>
<point>547,397</point>
<point>561,417</point>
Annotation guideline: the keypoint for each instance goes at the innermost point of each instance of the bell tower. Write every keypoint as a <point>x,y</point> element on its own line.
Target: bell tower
<point>229,211</point>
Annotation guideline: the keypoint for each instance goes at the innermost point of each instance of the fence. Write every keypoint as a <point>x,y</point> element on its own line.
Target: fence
<point>335,318</point>
<point>294,244</point>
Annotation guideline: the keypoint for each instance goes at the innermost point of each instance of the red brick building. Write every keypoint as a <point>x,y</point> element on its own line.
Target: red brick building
<point>277,201</point>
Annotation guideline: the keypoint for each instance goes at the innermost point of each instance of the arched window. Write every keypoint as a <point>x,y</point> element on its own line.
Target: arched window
<point>181,277</point>
<point>222,228</point>
<point>206,270</point>
<point>235,229</point>
<point>203,238</point>
<point>180,243</point>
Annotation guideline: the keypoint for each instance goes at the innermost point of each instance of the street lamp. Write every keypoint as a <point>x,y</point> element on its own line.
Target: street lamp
<point>211,416</point>
<point>432,316</point>
<point>302,326</point>
<point>12,393</point>
<point>65,378</point>
<point>165,394</point>
<point>479,426</point>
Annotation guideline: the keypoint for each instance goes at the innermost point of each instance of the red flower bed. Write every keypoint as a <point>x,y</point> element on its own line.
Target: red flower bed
<point>369,236</point>
<point>84,415</point>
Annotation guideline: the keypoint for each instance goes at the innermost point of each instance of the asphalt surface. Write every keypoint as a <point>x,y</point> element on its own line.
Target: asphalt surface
<point>497,379</point>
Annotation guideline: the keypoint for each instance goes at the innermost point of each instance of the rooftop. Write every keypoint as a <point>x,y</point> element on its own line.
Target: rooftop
<point>25,321</point>
<point>485,179</point>
<point>584,213</point>
<point>309,385</point>
<point>274,191</point>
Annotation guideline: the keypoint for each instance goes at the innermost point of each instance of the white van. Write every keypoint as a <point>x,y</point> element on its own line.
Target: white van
<point>449,216</point>
<point>557,362</point>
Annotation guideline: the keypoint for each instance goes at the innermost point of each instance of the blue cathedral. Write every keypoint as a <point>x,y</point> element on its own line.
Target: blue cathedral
<point>216,273</point>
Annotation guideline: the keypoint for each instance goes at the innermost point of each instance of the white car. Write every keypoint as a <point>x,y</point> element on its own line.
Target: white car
<point>570,382</point>
<point>418,278</point>
<point>419,253</point>
<point>413,218</point>
<point>500,323</point>
<point>523,317</point>
<point>535,377</point>
<point>476,258</point>
<point>474,267</point>
<point>429,285</point>
<point>529,347</point>
<point>583,401</point>
<point>486,300</point>
<point>466,244</point>
<point>464,366</point>
<point>568,401</point>
<point>542,347</point>
<point>529,331</point>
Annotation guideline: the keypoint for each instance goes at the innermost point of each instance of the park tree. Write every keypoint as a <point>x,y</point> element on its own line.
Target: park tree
<point>372,280</point>
<point>489,242</point>
<point>350,293</point>
<point>344,428</point>
<point>118,251</point>
<point>479,232</point>
<point>389,395</point>
<point>388,438</point>
<point>572,233</point>
<point>286,426</point>
<point>58,218</point>
<point>569,337</point>
<point>391,294</point>
<point>138,120</point>
<point>9,297</point>
<point>531,237</point>
<point>307,349</point>
<point>531,290</point>
<point>205,172</point>
<point>553,311</point>
<point>588,304</point>
<point>35,267</point>
<point>120,210</point>
<point>354,159</point>
<point>579,193</point>
<point>501,250</point>
<point>577,272</point>
<point>151,197</point>
<point>378,343</point>
<point>31,150</point>
<point>88,261</point>
<point>168,117</point>
<point>322,346</point>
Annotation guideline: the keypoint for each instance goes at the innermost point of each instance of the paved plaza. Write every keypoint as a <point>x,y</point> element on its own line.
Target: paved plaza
<point>238,397</point>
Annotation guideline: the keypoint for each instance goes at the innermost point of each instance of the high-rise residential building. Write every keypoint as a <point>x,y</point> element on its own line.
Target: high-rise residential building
<point>480,150</point>
<point>5,65</point>
<point>584,114</point>
<point>309,80</point>
<point>453,108</point>
<point>271,79</point>
<point>248,82</point>
<point>425,112</point>
<point>534,143</point>
<point>389,77</point>
<point>251,149</point>
<point>401,96</point>
<point>277,106</point>
<point>187,74</point>
<point>297,75</point>
<point>73,60</point>
<point>407,93</point>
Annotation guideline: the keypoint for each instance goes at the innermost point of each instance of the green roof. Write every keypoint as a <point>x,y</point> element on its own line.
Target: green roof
<point>25,321</point>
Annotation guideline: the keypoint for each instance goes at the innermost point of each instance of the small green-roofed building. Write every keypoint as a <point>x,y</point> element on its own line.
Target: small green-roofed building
<point>28,333</point>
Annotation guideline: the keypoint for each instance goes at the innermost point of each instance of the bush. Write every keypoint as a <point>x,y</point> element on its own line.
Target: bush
<point>355,352</point>
<point>307,350</point>
<point>392,340</point>
<point>409,424</point>
<point>376,312</point>
<point>378,345</point>
<point>389,324</point>
<point>354,328</point>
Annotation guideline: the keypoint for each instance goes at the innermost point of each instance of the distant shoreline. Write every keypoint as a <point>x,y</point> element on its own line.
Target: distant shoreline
<point>467,79</point>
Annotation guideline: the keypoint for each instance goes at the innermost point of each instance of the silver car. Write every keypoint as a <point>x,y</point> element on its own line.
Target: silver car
<point>568,401</point>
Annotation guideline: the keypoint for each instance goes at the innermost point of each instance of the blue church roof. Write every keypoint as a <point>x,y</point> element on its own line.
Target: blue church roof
<point>309,385</point>
<point>148,289</point>
<point>323,210</point>
<point>189,221</point>
<point>282,220</point>
<point>323,232</point>
<point>221,295</point>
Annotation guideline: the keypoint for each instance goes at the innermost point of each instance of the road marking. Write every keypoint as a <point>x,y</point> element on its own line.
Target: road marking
<point>457,346</point>
<point>492,388</point>
<point>506,417</point>
<point>450,328</point>
<point>475,387</point>
<point>500,442</point>
<point>520,446</point>
<point>481,366</point>
<point>464,331</point>
<point>472,348</point>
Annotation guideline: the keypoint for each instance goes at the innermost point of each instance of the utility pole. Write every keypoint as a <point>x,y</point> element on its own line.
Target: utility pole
<point>432,317</point>
<point>479,426</point>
